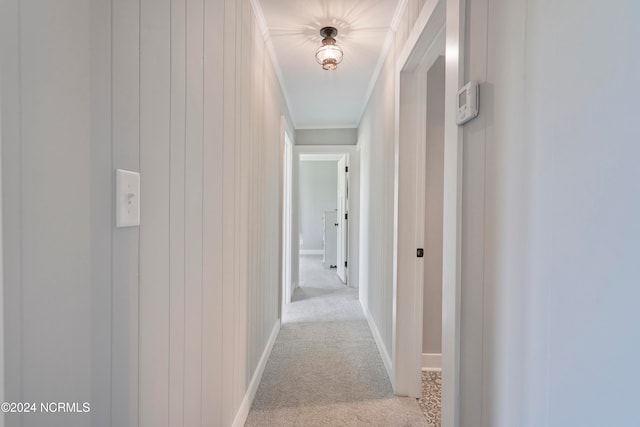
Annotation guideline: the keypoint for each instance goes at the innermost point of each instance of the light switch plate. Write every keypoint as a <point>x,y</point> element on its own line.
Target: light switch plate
<point>127,198</point>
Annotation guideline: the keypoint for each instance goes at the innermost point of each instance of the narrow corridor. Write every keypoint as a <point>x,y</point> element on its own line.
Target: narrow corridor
<point>325,368</point>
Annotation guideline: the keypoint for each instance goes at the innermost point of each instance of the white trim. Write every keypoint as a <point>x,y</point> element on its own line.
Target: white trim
<point>431,361</point>
<point>311,251</point>
<point>2,391</point>
<point>329,126</point>
<point>320,157</point>
<point>302,150</point>
<point>423,44</point>
<point>384,355</point>
<point>407,311</point>
<point>324,149</point>
<point>286,186</point>
<point>452,216</point>
<point>247,401</point>
<point>413,48</point>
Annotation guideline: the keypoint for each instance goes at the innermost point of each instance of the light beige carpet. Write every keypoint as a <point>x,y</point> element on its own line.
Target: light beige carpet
<point>325,369</point>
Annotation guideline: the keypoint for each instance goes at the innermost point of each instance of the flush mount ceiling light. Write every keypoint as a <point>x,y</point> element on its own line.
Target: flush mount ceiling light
<point>329,55</point>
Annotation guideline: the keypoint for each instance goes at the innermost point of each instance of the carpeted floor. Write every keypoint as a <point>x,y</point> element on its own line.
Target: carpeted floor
<point>325,369</point>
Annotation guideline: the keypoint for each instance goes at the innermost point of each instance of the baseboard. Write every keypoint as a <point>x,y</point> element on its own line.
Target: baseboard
<point>386,359</point>
<point>245,405</point>
<point>311,252</point>
<point>431,361</point>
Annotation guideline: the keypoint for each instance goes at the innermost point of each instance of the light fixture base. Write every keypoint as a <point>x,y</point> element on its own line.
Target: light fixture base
<point>328,32</point>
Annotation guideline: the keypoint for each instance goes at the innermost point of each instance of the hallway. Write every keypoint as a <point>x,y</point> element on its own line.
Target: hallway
<point>150,158</point>
<point>325,368</point>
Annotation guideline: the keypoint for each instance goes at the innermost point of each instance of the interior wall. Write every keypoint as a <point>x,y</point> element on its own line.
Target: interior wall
<point>585,195</point>
<point>548,199</point>
<point>376,135</point>
<point>56,152</point>
<point>326,136</point>
<point>318,193</point>
<point>176,313</point>
<point>434,187</point>
<point>548,216</point>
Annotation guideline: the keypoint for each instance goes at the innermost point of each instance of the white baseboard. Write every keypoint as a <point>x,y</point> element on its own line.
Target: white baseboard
<point>311,251</point>
<point>386,359</point>
<point>431,361</point>
<point>245,405</point>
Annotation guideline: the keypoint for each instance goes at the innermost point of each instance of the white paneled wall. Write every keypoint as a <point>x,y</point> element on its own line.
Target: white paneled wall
<point>549,213</point>
<point>209,287</point>
<point>551,198</point>
<point>376,144</point>
<point>165,324</point>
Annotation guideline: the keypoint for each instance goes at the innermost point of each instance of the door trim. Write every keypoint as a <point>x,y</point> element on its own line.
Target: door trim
<point>2,390</point>
<point>343,229</point>
<point>285,206</point>
<point>440,23</point>
<point>352,243</point>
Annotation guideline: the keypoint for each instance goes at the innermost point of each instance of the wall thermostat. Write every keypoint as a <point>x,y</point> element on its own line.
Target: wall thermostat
<point>467,103</point>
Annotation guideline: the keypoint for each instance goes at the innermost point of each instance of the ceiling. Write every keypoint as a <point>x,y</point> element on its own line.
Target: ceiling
<point>319,98</point>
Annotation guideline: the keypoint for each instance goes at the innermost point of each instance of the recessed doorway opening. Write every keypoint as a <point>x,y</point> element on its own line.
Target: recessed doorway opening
<point>322,241</point>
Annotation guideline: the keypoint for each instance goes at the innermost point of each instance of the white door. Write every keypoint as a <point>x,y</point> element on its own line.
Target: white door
<point>342,220</point>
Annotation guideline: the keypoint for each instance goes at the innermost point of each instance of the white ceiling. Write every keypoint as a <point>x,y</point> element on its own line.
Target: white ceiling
<point>319,98</point>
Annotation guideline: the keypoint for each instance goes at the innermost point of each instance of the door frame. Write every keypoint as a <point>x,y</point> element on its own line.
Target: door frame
<point>440,22</point>
<point>343,229</point>
<point>2,390</point>
<point>352,243</point>
<point>287,181</point>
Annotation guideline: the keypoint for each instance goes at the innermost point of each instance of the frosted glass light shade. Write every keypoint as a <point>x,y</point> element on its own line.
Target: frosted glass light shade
<point>329,56</point>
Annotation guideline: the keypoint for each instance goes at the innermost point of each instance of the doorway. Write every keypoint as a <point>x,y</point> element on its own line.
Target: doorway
<point>431,375</point>
<point>342,192</point>
<point>323,218</point>
<point>437,32</point>
<point>328,235</point>
<point>318,212</point>
<point>287,286</point>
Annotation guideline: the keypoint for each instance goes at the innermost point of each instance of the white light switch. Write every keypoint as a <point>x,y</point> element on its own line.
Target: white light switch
<point>127,198</point>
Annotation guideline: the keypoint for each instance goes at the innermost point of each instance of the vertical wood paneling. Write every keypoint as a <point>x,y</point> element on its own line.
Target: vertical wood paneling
<point>228,201</point>
<point>473,220</point>
<point>194,215</point>
<point>56,205</point>
<point>240,325</point>
<point>377,173</point>
<point>254,251</point>
<point>243,192</point>
<point>10,103</point>
<point>272,197</point>
<point>179,310</point>
<point>125,67</point>
<point>155,118</point>
<point>177,215</point>
<point>212,349</point>
<point>101,178</point>
<point>260,222</point>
